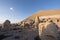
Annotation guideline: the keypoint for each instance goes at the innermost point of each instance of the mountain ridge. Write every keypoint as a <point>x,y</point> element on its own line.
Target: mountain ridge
<point>43,13</point>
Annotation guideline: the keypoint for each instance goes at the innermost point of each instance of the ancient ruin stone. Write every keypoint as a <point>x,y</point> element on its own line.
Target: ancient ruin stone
<point>48,31</point>
<point>27,25</point>
<point>31,22</point>
<point>36,21</point>
<point>6,25</point>
<point>22,24</point>
<point>41,25</point>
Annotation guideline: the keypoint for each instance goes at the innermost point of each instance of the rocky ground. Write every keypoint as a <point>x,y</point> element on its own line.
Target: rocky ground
<point>19,34</point>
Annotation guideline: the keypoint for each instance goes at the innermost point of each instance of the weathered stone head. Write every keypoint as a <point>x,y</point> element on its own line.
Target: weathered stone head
<point>48,31</point>
<point>6,25</point>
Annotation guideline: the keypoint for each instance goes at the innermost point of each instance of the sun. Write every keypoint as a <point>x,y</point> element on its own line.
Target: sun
<point>11,8</point>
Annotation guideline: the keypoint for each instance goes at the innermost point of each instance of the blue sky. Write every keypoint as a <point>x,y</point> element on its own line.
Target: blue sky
<point>17,10</point>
